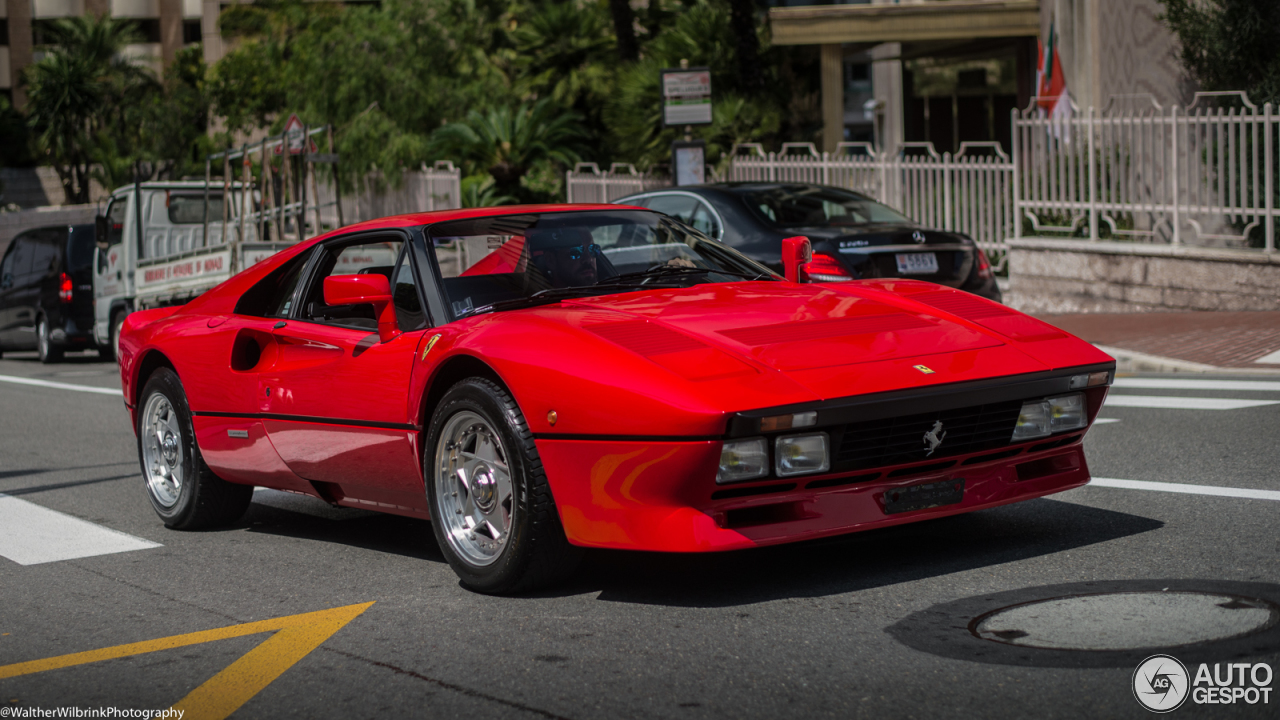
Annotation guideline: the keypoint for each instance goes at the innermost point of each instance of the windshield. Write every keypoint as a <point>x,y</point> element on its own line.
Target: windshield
<point>814,206</point>
<point>510,261</point>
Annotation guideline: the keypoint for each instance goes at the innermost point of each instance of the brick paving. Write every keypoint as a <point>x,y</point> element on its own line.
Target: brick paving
<point>1222,339</point>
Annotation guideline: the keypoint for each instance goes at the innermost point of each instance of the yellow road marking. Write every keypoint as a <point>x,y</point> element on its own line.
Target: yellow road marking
<point>225,692</point>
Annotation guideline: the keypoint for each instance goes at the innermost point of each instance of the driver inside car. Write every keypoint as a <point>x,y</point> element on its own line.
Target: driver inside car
<point>567,256</point>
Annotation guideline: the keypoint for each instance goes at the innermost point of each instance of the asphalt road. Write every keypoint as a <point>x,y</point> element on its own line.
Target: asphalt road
<point>837,628</point>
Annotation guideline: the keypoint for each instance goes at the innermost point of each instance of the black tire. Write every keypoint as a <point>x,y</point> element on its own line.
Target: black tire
<point>201,499</point>
<point>48,352</point>
<point>535,552</point>
<point>113,337</point>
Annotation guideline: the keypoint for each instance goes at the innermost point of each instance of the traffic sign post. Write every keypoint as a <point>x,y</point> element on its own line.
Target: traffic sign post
<point>686,96</point>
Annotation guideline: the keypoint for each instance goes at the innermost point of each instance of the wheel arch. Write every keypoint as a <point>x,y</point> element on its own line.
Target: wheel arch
<point>450,372</point>
<point>150,362</point>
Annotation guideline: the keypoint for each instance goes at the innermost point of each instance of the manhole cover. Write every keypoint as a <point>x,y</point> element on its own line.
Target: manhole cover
<point>1107,623</point>
<point>1124,621</point>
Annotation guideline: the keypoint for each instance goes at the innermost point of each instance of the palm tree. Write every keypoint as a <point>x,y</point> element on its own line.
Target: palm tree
<point>83,86</point>
<point>506,142</point>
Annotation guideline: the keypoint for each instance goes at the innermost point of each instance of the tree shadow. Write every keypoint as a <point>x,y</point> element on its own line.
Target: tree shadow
<point>849,563</point>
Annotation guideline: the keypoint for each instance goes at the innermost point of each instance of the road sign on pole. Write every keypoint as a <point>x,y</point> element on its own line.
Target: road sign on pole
<point>686,96</point>
<point>295,138</point>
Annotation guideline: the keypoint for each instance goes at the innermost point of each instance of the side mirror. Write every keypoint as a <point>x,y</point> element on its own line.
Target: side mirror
<point>796,251</point>
<point>100,227</point>
<point>365,289</point>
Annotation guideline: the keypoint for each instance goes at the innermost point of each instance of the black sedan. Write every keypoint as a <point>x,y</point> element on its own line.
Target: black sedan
<point>853,236</point>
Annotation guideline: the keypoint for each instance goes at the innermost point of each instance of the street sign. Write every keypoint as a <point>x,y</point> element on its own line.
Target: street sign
<point>293,138</point>
<point>686,96</point>
<point>689,162</point>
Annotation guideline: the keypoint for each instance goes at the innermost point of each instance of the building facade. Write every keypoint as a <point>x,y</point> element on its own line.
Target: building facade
<point>165,26</point>
<point>951,71</point>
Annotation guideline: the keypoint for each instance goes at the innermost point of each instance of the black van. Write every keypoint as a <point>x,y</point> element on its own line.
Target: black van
<point>46,291</point>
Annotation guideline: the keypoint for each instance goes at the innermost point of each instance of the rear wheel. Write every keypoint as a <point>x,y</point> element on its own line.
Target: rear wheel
<point>183,490</point>
<point>491,507</point>
<point>111,351</point>
<point>49,353</point>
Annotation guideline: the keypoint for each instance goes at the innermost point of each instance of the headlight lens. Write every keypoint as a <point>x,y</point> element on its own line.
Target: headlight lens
<point>1041,418</point>
<point>743,460</point>
<point>801,454</point>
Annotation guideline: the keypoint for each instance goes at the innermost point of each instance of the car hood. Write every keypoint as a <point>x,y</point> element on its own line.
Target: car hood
<point>798,329</point>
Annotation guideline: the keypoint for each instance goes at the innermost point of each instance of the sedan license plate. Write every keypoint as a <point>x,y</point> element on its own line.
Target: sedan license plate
<point>927,495</point>
<point>924,263</point>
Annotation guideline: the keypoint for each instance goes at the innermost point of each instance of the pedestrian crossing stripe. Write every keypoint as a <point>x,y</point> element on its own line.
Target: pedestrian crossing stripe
<point>295,637</point>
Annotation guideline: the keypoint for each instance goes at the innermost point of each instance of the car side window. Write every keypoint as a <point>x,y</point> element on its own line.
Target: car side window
<point>680,207</point>
<point>704,221</point>
<point>20,256</point>
<point>409,313</point>
<point>374,257</point>
<point>115,220</point>
<point>45,253</point>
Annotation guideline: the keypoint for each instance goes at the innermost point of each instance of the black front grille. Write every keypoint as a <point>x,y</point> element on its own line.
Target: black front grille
<point>900,440</point>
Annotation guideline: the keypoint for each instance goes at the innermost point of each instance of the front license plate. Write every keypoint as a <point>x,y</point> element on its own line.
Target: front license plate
<point>924,263</point>
<point>919,497</point>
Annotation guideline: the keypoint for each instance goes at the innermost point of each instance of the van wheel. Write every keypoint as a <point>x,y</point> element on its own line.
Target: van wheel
<point>44,344</point>
<point>111,351</point>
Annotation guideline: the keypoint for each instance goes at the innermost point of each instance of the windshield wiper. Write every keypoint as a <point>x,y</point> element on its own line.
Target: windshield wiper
<point>551,295</point>
<point>660,270</point>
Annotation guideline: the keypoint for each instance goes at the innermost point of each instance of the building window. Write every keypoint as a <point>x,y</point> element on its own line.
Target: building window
<point>190,31</point>
<point>149,30</point>
<point>4,31</point>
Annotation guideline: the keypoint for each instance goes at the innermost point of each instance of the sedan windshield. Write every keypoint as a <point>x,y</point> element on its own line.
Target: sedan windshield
<point>510,261</point>
<point>814,206</point>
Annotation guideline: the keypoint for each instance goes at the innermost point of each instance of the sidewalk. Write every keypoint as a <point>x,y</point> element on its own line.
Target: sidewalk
<point>1182,341</point>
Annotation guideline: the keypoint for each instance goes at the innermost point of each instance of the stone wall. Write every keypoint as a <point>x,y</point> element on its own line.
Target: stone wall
<point>1078,276</point>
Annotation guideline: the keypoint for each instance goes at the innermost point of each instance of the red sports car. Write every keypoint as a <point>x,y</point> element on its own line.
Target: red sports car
<point>536,380</point>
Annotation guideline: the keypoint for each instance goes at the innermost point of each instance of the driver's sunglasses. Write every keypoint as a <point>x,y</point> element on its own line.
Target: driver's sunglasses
<point>579,251</point>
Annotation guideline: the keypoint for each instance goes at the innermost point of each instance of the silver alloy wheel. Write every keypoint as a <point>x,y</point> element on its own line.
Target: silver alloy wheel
<point>473,485</point>
<point>42,338</point>
<point>162,450</point>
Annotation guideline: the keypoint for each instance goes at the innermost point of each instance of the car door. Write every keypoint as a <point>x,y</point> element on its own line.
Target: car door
<point>335,398</point>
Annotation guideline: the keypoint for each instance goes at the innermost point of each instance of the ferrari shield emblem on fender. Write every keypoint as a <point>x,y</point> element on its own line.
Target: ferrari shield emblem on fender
<point>934,437</point>
<point>430,344</point>
<point>923,368</point>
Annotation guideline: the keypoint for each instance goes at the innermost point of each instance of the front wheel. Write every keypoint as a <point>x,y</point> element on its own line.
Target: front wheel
<point>491,507</point>
<point>183,491</point>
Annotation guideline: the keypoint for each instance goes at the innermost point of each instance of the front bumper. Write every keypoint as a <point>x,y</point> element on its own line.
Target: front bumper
<point>662,496</point>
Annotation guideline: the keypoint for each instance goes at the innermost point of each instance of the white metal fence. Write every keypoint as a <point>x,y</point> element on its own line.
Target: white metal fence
<point>585,183</point>
<point>968,192</point>
<point>1203,175</point>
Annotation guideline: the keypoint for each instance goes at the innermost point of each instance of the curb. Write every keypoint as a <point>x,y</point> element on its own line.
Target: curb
<point>1131,361</point>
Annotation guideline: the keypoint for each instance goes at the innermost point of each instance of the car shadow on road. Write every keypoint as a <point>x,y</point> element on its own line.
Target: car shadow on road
<point>849,563</point>
<point>391,534</point>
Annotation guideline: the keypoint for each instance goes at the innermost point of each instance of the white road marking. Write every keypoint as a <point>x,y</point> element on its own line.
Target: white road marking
<point>58,385</point>
<point>1188,384</point>
<point>1104,421</point>
<point>1170,402</point>
<point>31,534</point>
<point>1186,489</point>
<point>1270,358</point>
